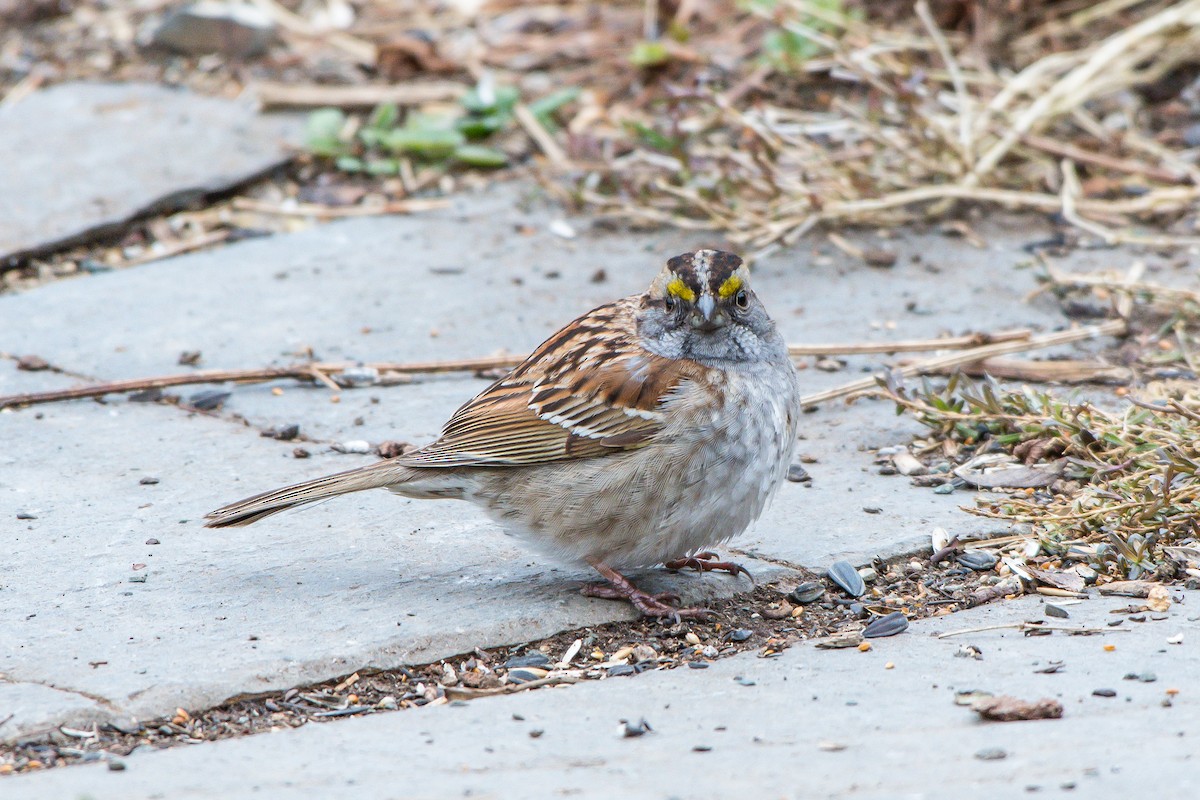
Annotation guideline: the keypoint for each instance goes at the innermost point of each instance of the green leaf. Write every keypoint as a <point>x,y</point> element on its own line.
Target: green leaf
<point>424,143</point>
<point>384,117</point>
<point>323,130</point>
<point>649,54</point>
<point>649,136</point>
<point>383,166</point>
<point>476,127</point>
<point>554,101</point>
<point>474,155</point>
<point>372,137</point>
<point>500,98</point>
<point>349,164</point>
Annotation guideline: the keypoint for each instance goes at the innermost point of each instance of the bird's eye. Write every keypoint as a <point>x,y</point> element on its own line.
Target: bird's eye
<point>669,302</point>
<point>742,299</point>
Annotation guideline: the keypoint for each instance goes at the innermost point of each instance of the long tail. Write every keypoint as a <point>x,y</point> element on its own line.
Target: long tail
<point>252,509</point>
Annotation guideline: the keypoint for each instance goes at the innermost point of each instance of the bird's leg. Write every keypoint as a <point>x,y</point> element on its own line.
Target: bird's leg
<point>651,605</point>
<point>707,562</point>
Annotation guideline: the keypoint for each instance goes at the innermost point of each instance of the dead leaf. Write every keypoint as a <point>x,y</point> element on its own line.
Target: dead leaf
<point>1000,471</point>
<point>1128,588</point>
<point>1010,709</point>
<point>1158,598</point>
<point>1068,581</point>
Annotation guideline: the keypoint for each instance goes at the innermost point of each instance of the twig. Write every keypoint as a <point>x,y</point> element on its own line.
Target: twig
<point>1070,191</point>
<point>539,134</point>
<point>1065,150</point>
<point>965,124</point>
<point>910,345</point>
<point>1030,626</point>
<point>179,248</point>
<point>317,370</point>
<point>286,95</point>
<point>1047,371</point>
<point>318,210</point>
<point>303,372</point>
<point>362,50</point>
<point>1111,328</point>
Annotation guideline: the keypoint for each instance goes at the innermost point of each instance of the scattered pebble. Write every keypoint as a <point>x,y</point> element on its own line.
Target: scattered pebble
<point>831,747</point>
<point>635,729</point>
<point>701,748</point>
<point>1104,692</point>
<point>740,635</point>
<point>878,257</point>
<point>153,541</point>
<point>116,765</point>
<point>868,574</point>
<point>531,659</point>
<point>991,754</point>
<point>285,434</point>
<point>355,446</point>
<point>1056,611</point>
<point>208,400</point>
<point>798,474</point>
<point>561,228</point>
<point>1176,639</point>
<point>148,481</point>
<point>968,651</point>
<point>234,30</point>
<point>300,452</point>
<point>907,464</point>
<point>1144,677</point>
<point>32,363</point>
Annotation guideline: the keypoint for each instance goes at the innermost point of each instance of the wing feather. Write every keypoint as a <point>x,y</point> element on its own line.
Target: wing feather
<point>585,392</point>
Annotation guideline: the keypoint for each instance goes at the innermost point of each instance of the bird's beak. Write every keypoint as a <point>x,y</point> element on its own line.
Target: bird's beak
<point>707,317</point>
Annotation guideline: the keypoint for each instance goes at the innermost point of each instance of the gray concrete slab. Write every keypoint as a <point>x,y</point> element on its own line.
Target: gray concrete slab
<point>460,283</point>
<point>85,157</point>
<point>811,723</point>
<point>114,595</point>
<point>451,284</point>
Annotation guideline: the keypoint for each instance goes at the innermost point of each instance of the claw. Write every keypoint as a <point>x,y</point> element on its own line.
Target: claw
<point>619,587</point>
<point>708,562</point>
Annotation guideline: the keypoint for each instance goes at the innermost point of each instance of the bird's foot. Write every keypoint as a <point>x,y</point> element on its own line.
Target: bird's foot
<point>651,605</point>
<point>708,562</point>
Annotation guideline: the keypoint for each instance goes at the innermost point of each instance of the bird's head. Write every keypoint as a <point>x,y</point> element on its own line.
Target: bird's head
<point>701,306</point>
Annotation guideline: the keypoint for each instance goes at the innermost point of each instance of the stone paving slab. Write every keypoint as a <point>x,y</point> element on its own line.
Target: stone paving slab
<point>810,723</point>
<point>85,157</point>
<point>451,284</point>
<point>382,583</point>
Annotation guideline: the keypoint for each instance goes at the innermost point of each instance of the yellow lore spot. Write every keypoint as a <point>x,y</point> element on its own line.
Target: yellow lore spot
<point>680,289</point>
<point>730,287</point>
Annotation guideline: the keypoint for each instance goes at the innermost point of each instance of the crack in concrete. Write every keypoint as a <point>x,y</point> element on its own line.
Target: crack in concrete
<point>99,700</point>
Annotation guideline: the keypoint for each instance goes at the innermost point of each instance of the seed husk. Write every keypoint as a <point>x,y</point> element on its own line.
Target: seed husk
<point>887,625</point>
<point>846,576</point>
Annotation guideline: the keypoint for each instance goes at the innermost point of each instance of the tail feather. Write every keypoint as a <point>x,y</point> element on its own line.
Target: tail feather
<point>252,509</point>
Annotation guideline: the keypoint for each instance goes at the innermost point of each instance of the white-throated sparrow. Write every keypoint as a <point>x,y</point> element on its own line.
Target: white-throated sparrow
<point>641,433</point>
